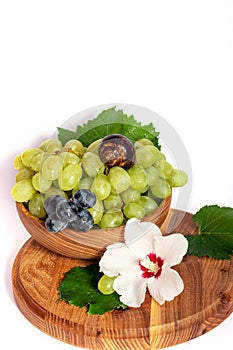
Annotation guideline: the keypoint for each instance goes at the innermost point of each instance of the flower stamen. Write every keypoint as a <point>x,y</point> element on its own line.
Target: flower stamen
<point>151,266</point>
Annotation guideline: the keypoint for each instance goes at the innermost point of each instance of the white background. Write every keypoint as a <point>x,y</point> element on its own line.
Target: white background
<point>60,57</point>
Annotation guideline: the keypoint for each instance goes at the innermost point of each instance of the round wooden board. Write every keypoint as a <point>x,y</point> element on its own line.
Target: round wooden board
<point>206,301</point>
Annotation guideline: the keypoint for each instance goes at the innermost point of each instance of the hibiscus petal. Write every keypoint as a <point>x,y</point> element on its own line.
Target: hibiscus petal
<point>139,237</point>
<point>132,290</point>
<point>118,259</point>
<point>171,248</point>
<point>167,286</point>
<point>155,292</point>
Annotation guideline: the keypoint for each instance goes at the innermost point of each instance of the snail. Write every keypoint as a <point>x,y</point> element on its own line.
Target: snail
<point>117,150</point>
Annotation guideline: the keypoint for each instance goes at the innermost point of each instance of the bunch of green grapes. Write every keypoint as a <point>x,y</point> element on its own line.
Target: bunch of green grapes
<point>121,193</point>
<point>50,169</point>
<point>133,192</point>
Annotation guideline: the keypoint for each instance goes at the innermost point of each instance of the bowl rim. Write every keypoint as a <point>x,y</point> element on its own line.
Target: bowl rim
<point>21,207</point>
<point>83,245</point>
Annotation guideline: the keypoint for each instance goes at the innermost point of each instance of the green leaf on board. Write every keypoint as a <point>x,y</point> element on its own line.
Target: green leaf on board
<point>215,235</point>
<point>79,288</point>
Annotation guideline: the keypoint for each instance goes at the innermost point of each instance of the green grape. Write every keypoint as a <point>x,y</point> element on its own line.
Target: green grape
<point>69,158</point>
<point>161,189</point>
<point>138,178</point>
<point>40,183</point>
<point>23,191</point>
<point>153,150</point>
<point>18,164</point>
<point>112,218</point>
<point>145,189</point>
<point>52,146</point>
<point>164,169</point>
<point>69,177</point>
<point>74,146</point>
<point>101,186</point>
<point>146,156</point>
<point>113,201</point>
<point>152,175</point>
<point>76,188</point>
<point>97,211</point>
<point>92,164</point>
<point>24,174</point>
<point>178,178</point>
<point>130,195</point>
<point>53,191</point>
<point>94,147</point>
<point>105,284</point>
<point>134,210</point>
<point>119,179</point>
<point>161,156</point>
<point>85,183</point>
<point>148,204</point>
<point>51,167</point>
<point>36,206</point>
<point>28,155</point>
<point>38,160</point>
<point>43,144</point>
<point>142,142</point>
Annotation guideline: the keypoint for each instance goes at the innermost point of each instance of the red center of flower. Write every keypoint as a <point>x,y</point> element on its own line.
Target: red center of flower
<point>151,266</point>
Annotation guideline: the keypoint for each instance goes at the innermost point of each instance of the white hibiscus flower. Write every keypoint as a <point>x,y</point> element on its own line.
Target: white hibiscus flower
<point>144,262</point>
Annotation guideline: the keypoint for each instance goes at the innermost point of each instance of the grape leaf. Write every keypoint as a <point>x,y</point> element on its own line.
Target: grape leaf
<point>79,288</point>
<point>215,235</point>
<point>110,121</point>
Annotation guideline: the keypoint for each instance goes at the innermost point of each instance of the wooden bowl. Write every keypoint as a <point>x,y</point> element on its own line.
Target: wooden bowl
<point>82,245</point>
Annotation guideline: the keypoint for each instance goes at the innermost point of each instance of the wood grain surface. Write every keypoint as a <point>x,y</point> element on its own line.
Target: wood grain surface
<point>206,301</point>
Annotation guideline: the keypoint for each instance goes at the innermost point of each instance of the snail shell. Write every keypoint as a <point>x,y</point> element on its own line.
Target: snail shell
<point>117,150</point>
